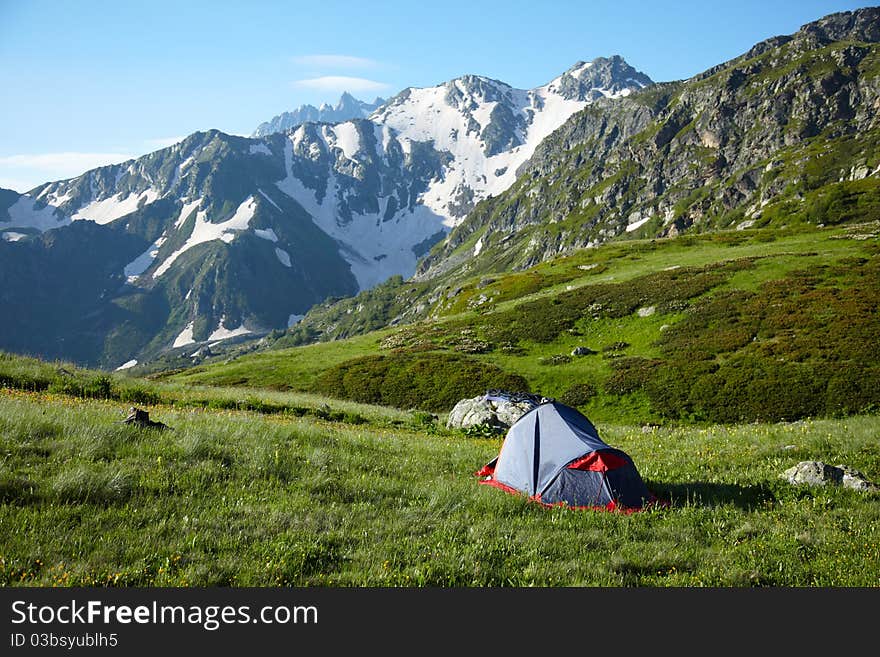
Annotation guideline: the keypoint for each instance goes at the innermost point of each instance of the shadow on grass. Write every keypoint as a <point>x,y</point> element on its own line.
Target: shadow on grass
<point>706,494</point>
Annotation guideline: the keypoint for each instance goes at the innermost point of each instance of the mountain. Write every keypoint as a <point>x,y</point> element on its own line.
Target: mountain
<point>346,109</point>
<point>783,133</point>
<point>788,133</point>
<point>223,237</point>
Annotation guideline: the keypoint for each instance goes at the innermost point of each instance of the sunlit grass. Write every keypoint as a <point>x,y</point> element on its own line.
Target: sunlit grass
<point>240,498</point>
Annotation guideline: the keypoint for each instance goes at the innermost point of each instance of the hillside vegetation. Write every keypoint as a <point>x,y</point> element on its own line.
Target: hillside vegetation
<point>743,325</point>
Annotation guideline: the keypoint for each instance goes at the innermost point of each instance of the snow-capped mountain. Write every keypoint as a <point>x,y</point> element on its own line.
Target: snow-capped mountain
<point>346,109</point>
<point>490,128</point>
<point>222,236</point>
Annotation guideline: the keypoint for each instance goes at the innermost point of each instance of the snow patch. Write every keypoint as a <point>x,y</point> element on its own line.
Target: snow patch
<point>185,211</point>
<point>222,333</point>
<point>283,256</point>
<point>140,264</point>
<point>185,337</point>
<point>205,231</point>
<point>12,236</point>
<point>126,365</point>
<point>478,247</point>
<point>347,138</point>
<point>637,224</point>
<point>266,234</point>
<point>265,196</point>
<point>113,207</point>
<point>260,149</point>
<point>23,214</point>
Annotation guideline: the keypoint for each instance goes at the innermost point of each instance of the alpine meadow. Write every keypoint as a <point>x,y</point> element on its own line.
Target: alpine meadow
<point>282,359</point>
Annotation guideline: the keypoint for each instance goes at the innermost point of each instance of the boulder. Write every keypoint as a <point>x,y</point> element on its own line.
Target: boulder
<point>854,479</point>
<point>817,473</point>
<point>479,411</point>
<point>813,473</point>
<point>582,351</point>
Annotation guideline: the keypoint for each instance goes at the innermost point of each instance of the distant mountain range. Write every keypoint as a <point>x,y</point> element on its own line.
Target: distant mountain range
<point>346,109</point>
<point>221,237</point>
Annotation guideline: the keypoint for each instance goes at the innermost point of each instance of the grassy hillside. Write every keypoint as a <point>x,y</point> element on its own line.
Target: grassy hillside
<point>732,326</point>
<point>241,498</point>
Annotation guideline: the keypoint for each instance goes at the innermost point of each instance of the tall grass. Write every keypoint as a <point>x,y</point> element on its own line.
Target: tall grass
<point>240,498</point>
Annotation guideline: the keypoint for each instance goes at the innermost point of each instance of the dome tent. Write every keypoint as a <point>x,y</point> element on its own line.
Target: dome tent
<point>554,455</point>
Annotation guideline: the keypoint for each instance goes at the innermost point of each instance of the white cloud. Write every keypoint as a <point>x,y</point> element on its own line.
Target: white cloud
<point>341,83</point>
<point>335,61</point>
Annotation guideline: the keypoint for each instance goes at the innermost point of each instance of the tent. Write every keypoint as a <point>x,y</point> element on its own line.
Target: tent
<point>554,455</point>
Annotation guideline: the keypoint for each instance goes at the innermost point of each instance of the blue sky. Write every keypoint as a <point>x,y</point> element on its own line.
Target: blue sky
<point>88,82</point>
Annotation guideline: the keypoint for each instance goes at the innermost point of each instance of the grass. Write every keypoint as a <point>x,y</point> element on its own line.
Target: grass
<point>240,498</point>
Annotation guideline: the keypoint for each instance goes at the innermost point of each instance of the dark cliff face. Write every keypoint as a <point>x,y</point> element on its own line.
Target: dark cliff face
<point>724,148</point>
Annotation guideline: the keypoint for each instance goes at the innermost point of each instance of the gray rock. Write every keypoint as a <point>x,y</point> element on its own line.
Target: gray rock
<point>471,413</point>
<point>817,473</point>
<point>854,479</point>
<point>582,351</point>
<point>813,473</point>
<point>509,412</point>
<point>481,412</point>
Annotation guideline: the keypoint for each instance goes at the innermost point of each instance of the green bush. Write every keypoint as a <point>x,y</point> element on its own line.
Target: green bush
<point>86,387</point>
<point>545,319</point>
<point>630,375</point>
<point>137,395</point>
<point>427,381</point>
<point>579,394</point>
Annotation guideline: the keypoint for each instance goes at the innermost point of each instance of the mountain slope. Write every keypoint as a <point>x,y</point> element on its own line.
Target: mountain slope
<point>346,109</point>
<point>772,136</point>
<point>241,236</point>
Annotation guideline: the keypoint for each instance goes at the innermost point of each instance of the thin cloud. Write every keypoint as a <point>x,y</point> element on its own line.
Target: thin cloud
<point>335,61</point>
<point>341,83</point>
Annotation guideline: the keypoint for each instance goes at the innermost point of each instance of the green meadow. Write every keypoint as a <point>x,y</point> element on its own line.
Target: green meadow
<point>244,498</point>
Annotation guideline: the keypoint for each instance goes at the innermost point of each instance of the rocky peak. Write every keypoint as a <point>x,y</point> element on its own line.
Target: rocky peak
<point>604,76</point>
<point>346,109</point>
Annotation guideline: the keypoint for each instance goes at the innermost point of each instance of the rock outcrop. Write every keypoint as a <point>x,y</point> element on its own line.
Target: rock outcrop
<point>480,411</point>
<point>817,473</point>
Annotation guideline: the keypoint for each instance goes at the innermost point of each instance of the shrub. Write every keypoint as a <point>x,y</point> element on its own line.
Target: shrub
<point>86,387</point>
<point>423,380</point>
<point>630,375</point>
<point>555,359</point>
<point>138,395</point>
<point>579,394</point>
